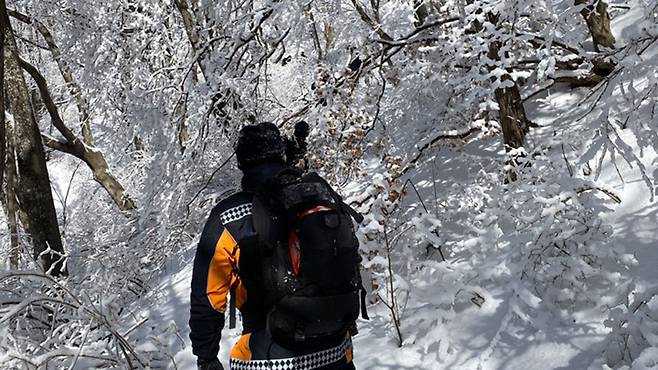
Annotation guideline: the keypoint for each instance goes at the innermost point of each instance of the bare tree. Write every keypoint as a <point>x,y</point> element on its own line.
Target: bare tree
<point>65,71</point>
<point>77,147</point>
<point>33,190</point>
<point>82,148</point>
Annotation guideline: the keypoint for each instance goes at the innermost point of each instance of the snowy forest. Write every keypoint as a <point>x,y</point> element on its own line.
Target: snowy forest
<point>504,154</point>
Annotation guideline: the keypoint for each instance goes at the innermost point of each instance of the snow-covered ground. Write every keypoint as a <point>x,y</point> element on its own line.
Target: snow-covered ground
<point>485,337</point>
<point>481,337</point>
<point>478,309</point>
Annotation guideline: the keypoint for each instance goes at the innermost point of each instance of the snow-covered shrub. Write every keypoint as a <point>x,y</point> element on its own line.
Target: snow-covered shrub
<point>549,226</point>
<point>46,325</point>
<point>633,341</point>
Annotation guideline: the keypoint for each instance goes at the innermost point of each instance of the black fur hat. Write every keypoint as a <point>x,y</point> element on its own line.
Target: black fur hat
<point>258,144</point>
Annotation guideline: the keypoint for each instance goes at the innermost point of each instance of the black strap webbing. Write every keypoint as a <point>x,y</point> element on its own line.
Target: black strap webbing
<point>364,309</point>
<point>355,215</point>
<point>231,309</point>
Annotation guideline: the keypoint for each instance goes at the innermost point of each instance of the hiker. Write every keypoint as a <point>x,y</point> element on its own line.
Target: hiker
<point>285,252</point>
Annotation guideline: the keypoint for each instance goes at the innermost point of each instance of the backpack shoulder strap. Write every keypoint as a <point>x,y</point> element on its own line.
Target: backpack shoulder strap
<point>266,223</point>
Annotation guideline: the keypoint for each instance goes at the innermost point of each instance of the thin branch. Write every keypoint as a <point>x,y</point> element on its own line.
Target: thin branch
<point>395,310</point>
<point>187,206</point>
<point>452,135</point>
<point>405,40</point>
<point>30,42</point>
<point>249,38</point>
<point>413,186</point>
<point>374,25</point>
<point>559,44</point>
<point>384,55</point>
<point>314,31</point>
<point>610,194</point>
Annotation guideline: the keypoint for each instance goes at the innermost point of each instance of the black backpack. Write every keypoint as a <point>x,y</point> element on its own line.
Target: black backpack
<point>310,258</point>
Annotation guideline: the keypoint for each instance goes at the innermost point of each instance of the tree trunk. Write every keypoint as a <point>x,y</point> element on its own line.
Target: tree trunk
<point>12,223</point>
<point>11,203</point>
<point>513,119</point>
<point>34,192</point>
<point>191,31</point>
<point>596,15</point>
<point>514,123</point>
<point>512,116</point>
<point>99,168</point>
<point>188,23</point>
<point>3,124</point>
<point>96,161</point>
<point>7,158</point>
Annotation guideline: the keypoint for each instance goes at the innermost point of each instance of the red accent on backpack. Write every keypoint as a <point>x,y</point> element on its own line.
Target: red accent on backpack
<point>314,210</point>
<point>295,251</point>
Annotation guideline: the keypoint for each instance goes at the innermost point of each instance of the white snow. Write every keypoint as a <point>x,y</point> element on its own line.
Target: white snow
<point>454,315</point>
<point>490,336</point>
<point>480,338</point>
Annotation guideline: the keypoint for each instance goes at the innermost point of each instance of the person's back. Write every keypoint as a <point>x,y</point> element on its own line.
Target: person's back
<point>230,261</point>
